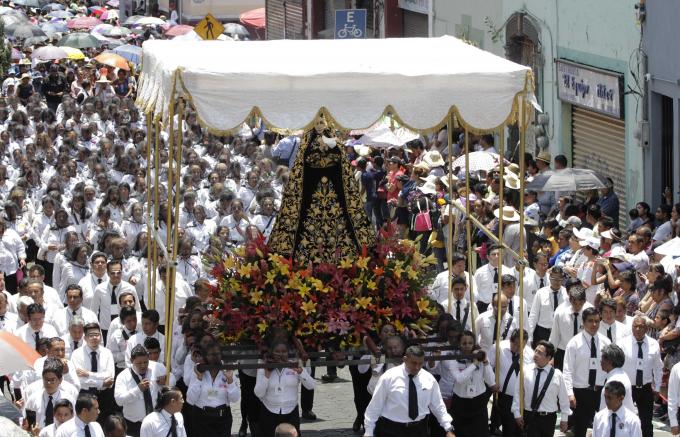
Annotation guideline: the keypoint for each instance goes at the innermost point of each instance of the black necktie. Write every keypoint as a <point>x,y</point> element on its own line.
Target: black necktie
<point>511,308</point>
<point>173,426</point>
<point>2,317</point>
<point>113,295</point>
<point>37,338</point>
<point>99,280</point>
<point>74,312</point>
<point>541,284</point>
<point>555,299</point>
<point>495,275</point>
<point>148,405</point>
<point>609,333</point>
<point>458,311</point>
<point>513,368</point>
<point>49,412</point>
<point>93,361</point>
<point>575,323</point>
<point>87,430</point>
<point>412,398</point>
<point>612,429</point>
<point>534,396</point>
<point>495,330</point>
<point>75,344</point>
<point>638,373</point>
<point>592,373</point>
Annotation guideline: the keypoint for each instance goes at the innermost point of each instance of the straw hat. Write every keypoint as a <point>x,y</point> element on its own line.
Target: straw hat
<point>544,156</point>
<point>509,214</point>
<point>103,79</point>
<point>514,168</point>
<point>434,159</point>
<point>445,179</point>
<point>422,166</point>
<point>512,181</point>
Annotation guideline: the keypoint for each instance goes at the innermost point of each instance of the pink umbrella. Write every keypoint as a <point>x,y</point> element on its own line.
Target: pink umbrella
<point>83,23</point>
<point>16,54</point>
<point>178,30</point>
<point>109,14</point>
<point>113,3</point>
<point>255,21</point>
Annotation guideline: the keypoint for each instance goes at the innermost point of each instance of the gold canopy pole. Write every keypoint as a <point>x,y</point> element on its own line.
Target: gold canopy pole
<point>149,204</point>
<point>523,119</point>
<point>156,212</point>
<point>170,272</point>
<point>178,180</point>
<point>501,200</point>
<point>449,245</point>
<point>468,230</point>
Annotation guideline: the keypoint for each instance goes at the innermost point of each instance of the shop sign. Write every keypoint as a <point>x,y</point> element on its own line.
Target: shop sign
<point>591,88</point>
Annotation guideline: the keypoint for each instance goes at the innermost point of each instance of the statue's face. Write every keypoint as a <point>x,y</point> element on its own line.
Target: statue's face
<point>320,125</point>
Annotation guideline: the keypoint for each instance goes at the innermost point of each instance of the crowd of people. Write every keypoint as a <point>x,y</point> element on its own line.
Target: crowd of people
<point>600,305</point>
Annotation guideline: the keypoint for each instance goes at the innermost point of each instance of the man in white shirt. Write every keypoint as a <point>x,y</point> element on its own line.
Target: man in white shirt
<point>51,296</point>
<point>95,368</point>
<point>136,390</point>
<point>399,412</point>
<point>544,395</point>
<point>61,318</point>
<point>96,276</point>
<point>534,279</point>
<point>486,278</point>
<point>118,339</point>
<point>36,327</point>
<point>487,326</point>
<point>664,231</point>
<point>56,350</point>
<point>41,403</point>
<point>84,424</point>
<point>612,363</point>
<point>515,303</point>
<point>611,328</point>
<point>462,309</point>
<point>544,304</point>
<point>439,290</point>
<point>583,373</point>
<point>567,322</point>
<point>644,368</point>
<point>105,300</point>
<point>75,336</point>
<point>8,321</point>
<point>150,320</point>
<point>616,420</point>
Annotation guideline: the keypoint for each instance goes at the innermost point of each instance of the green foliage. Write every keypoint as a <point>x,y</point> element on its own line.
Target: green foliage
<point>5,51</point>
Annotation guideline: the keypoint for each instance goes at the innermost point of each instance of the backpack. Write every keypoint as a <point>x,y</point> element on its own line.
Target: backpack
<point>422,222</point>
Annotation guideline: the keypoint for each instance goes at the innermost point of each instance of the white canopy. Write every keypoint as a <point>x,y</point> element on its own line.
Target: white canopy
<point>288,81</point>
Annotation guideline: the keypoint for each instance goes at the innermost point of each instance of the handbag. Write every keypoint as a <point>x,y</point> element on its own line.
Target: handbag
<point>422,222</point>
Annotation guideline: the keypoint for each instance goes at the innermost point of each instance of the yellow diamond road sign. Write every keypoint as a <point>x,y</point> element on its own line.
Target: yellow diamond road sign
<point>209,27</point>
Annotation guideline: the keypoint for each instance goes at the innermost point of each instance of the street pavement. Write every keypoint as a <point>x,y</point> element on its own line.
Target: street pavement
<point>334,407</point>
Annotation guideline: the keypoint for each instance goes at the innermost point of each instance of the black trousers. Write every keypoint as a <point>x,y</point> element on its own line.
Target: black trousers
<point>587,404</point>
<point>507,419</point>
<point>644,399</point>
<point>269,421</point>
<point>133,428</point>
<point>387,428</point>
<point>11,283</point>
<point>307,396</point>
<point>540,333</point>
<point>539,425</point>
<point>359,387</point>
<point>209,424</point>
<point>558,360</point>
<point>250,404</point>
<point>470,415</point>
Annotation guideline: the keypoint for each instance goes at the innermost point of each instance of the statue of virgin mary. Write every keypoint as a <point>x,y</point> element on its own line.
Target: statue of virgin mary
<point>322,218</point>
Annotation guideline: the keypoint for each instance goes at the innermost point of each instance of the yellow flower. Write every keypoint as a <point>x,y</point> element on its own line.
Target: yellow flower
<point>364,302</point>
<point>344,307</point>
<point>398,326</point>
<point>259,253</point>
<point>245,270</point>
<point>308,307</point>
<point>317,283</point>
<point>430,260</point>
<point>262,327</point>
<point>371,285</point>
<point>346,263</point>
<point>398,270</point>
<point>412,273</point>
<point>303,290</point>
<point>228,263</point>
<point>256,297</point>
<point>423,304</point>
<point>271,277</point>
<point>362,263</point>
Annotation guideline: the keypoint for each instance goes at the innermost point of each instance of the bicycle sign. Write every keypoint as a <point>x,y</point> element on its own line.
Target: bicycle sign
<point>350,23</point>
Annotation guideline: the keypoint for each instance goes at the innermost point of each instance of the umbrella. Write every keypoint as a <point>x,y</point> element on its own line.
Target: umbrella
<point>149,21</point>
<point>129,52</point>
<point>178,30</point>
<point>83,23</point>
<point>481,160</point>
<point>133,19</point>
<point>671,247</point>
<point>235,29</point>
<point>59,25</point>
<point>113,3</point>
<point>97,10</point>
<point>60,14</point>
<point>53,7</point>
<point>109,14</point>
<point>16,354</point>
<point>35,40</point>
<point>26,31</point>
<point>49,53</point>
<point>568,179</point>
<point>73,53</point>
<point>79,40</point>
<point>16,54</point>
<point>49,29</point>
<point>5,10</point>
<point>100,28</point>
<point>115,31</point>
<point>36,4</point>
<point>255,18</point>
<point>387,137</point>
<point>113,60</point>
<point>11,22</point>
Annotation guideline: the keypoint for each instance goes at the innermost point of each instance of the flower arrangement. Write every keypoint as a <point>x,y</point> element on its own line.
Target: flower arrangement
<point>337,303</point>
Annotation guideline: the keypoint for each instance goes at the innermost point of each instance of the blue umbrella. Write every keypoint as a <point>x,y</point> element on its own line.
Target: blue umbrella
<point>60,14</point>
<point>59,25</point>
<point>129,52</point>
<point>53,7</point>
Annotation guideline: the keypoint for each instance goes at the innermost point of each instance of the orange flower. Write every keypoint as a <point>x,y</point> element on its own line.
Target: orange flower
<point>378,271</point>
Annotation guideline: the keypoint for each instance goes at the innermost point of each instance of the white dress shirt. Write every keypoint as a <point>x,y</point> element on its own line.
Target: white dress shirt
<point>9,322</point>
<point>470,381</point>
<point>157,424</point>
<point>543,308</point>
<point>556,397</point>
<point>88,284</point>
<point>38,402</point>
<point>650,364</point>
<point>674,394</point>
<point>563,324</point>
<point>81,357</point>
<point>76,428</point>
<point>485,324</point>
<point>627,423</point>
<point>390,399</point>
<point>70,344</point>
<point>577,361</point>
<point>117,344</point>
<point>532,282</point>
<point>128,395</point>
<point>485,286</point>
<point>618,374</point>
<point>27,334</point>
<point>209,392</point>
<point>439,290</point>
<point>103,305</point>
<point>38,387</point>
<point>70,376</point>
<point>279,392</point>
<point>468,313</point>
<point>619,331</point>
<point>191,268</point>
<point>506,362</point>
<point>61,318</point>
<point>139,338</point>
